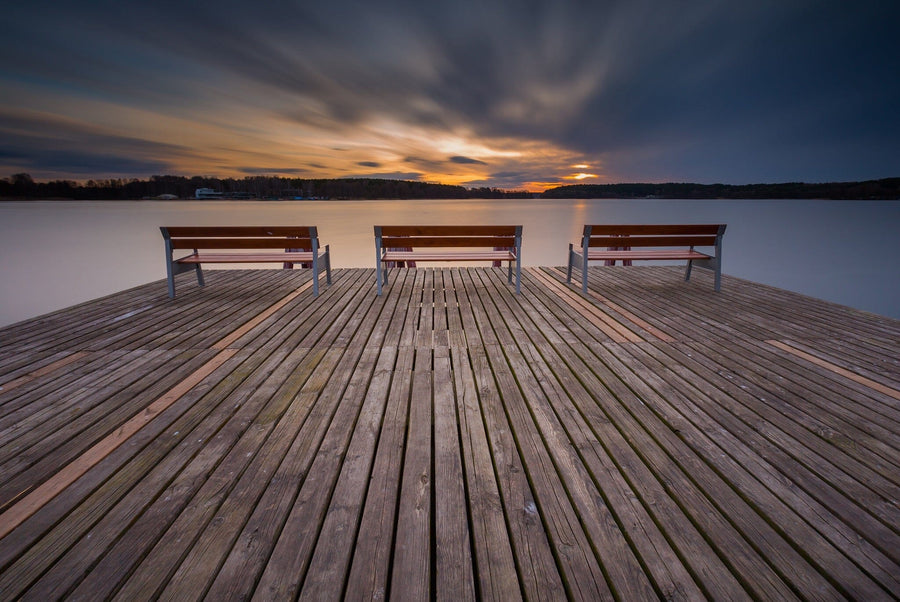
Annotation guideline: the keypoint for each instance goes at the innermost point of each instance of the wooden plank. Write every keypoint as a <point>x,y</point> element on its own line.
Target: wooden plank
<point>42,371</point>
<point>454,577</point>
<point>412,563</point>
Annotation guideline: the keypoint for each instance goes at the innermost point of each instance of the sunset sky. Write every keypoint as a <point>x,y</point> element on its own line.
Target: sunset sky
<point>509,94</point>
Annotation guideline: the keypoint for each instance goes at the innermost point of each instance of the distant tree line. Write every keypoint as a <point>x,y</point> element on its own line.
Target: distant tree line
<point>886,189</point>
<point>22,186</point>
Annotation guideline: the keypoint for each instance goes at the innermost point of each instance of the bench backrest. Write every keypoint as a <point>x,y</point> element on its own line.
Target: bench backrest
<point>662,235</point>
<point>241,237</point>
<point>448,236</point>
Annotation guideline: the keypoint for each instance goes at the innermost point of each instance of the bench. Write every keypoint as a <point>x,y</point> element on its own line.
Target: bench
<point>630,242</point>
<point>454,244</point>
<point>298,244</point>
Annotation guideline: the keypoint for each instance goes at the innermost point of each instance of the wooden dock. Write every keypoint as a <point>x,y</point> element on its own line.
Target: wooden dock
<point>451,440</point>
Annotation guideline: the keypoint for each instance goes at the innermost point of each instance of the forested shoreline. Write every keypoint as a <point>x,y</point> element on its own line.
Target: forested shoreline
<point>884,189</point>
<point>22,186</point>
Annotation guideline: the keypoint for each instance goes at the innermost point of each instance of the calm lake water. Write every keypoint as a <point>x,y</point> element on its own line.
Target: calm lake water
<point>56,254</point>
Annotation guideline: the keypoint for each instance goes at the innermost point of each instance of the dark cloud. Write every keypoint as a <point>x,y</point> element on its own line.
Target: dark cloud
<point>393,175</point>
<point>709,90</point>
<point>281,171</point>
<point>43,146</point>
<point>466,161</point>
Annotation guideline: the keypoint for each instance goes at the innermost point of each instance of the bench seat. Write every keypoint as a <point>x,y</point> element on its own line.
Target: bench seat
<point>255,244</point>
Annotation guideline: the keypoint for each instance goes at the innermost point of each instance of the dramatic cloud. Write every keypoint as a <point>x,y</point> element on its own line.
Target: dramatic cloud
<point>494,93</point>
<point>466,161</point>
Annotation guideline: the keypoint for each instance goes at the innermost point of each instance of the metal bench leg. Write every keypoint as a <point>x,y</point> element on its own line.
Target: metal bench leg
<point>381,275</point>
<point>687,271</point>
<point>315,271</point>
<point>170,276</point>
<point>584,266</point>
<point>518,275</point>
<point>327,264</point>
<point>378,276</point>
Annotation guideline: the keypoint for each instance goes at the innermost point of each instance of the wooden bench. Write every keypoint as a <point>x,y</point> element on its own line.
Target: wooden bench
<point>504,242</point>
<point>298,244</point>
<point>630,242</point>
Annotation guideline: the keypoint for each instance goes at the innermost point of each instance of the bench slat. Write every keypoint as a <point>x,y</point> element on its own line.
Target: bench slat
<point>237,231</point>
<point>653,229</point>
<point>480,230</point>
<point>647,255</point>
<point>274,242</point>
<point>448,241</point>
<point>652,241</point>
<point>248,258</point>
<point>426,256</point>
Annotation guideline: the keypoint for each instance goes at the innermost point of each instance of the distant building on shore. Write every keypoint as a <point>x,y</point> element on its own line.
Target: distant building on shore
<point>207,193</point>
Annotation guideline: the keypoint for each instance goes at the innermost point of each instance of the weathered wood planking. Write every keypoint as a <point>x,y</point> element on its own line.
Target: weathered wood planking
<point>452,440</point>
